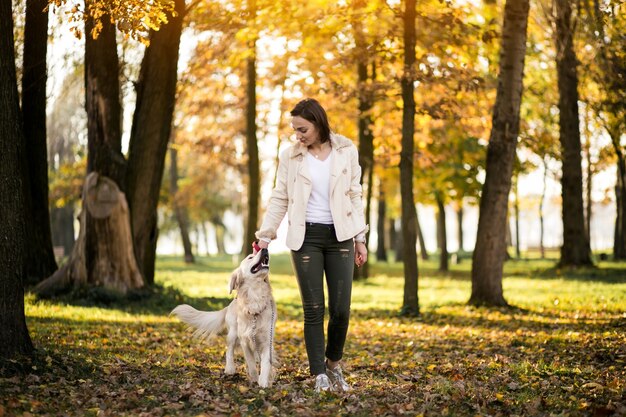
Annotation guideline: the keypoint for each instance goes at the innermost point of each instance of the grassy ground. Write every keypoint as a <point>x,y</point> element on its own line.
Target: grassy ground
<point>560,351</point>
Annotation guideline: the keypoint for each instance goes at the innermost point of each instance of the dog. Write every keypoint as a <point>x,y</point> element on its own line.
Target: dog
<point>250,319</point>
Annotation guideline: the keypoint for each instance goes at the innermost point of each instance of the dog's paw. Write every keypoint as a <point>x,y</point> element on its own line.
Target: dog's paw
<point>264,383</point>
<point>230,370</point>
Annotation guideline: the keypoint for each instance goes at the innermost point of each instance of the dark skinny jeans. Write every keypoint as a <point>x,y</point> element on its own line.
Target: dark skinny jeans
<point>322,253</point>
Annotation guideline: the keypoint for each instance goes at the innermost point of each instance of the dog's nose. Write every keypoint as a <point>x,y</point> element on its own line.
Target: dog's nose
<point>264,252</point>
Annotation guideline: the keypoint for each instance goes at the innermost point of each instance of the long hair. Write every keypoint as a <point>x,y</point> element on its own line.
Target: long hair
<point>311,110</point>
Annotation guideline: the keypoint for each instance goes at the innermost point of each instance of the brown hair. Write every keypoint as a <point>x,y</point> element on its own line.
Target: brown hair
<point>311,110</point>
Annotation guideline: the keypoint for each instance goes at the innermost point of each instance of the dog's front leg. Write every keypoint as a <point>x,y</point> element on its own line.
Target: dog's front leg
<point>248,352</point>
<point>231,344</point>
<point>265,380</point>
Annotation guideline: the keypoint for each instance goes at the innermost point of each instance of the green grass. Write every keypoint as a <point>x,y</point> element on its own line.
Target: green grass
<point>560,350</point>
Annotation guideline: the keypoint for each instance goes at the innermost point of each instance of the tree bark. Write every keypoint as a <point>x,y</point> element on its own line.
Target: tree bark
<point>396,240</point>
<point>254,180</point>
<point>459,225</point>
<point>518,252</point>
<point>180,211</point>
<point>381,247</point>
<point>542,249</point>
<point>364,123</point>
<point>150,133</point>
<point>619,238</point>
<point>40,262</point>
<point>487,262</point>
<point>62,226</point>
<point>442,235</point>
<point>13,331</point>
<point>410,304</point>
<point>420,238</point>
<point>575,250</point>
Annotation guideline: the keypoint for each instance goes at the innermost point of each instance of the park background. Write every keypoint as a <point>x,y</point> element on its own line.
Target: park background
<point>138,146</point>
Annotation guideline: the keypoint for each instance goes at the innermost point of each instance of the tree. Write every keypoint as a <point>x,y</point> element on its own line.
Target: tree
<point>150,133</point>
<point>487,260</point>
<point>409,216</point>
<point>40,257</point>
<point>180,211</point>
<point>575,250</point>
<point>252,147</point>
<point>13,330</point>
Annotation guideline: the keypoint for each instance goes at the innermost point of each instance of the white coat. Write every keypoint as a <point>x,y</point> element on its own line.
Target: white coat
<point>293,188</point>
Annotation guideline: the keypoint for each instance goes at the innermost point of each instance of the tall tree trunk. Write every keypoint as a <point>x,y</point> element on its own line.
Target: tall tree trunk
<point>420,238</point>
<point>252,147</point>
<point>103,254</point>
<point>619,238</point>
<point>180,211</point>
<point>487,260</point>
<point>150,133</point>
<point>39,254</point>
<point>13,331</point>
<point>542,200</point>
<point>518,252</point>
<point>588,176</point>
<point>381,247</point>
<point>395,240</point>
<point>220,232</point>
<point>459,225</point>
<point>365,96</point>
<point>442,234</point>
<point>575,250</point>
<point>62,226</point>
<point>410,304</point>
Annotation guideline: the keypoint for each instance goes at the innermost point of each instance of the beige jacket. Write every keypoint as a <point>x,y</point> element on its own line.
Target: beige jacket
<point>293,188</point>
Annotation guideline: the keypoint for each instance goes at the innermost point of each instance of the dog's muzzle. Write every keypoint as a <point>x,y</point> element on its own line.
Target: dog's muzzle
<point>264,262</point>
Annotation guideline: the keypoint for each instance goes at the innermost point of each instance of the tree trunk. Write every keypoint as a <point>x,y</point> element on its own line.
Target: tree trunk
<point>13,331</point>
<point>518,252</point>
<point>180,212</point>
<point>220,232</point>
<point>40,262</point>
<point>588,176</point>
<point>420,238</point>
<point>442,235</point>
<point>103,255</point>
<point>487,260</point>
<point>381,247</point>
<point>150,133</point>
<point>575,250</point>
<point>62,225</point>
<point>541,204</point>
<point>410,304</point>
<point>252,147</point>
<point>396,240</point>
<point>619,239</point>
<point>459,225</point>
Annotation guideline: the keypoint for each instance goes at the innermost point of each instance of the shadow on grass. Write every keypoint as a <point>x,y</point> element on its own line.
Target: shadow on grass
<point>156,300</point>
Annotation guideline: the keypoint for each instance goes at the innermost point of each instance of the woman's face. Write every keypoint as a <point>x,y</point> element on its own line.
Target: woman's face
<point>306,132</point>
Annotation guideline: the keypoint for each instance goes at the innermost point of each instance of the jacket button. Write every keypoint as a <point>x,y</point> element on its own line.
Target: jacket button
<point>289,222</point>
<point>292,201</point>
<point>349,213</point>
<point>345,171</point>
<point>347,192</point>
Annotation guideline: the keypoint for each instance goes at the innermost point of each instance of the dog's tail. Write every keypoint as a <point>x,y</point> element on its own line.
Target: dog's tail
<point>205,323</point>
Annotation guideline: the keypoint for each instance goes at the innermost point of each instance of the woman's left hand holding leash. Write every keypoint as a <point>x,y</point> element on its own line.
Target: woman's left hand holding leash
<point>360,253</point>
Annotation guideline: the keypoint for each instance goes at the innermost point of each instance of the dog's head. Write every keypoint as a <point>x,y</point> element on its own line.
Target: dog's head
<point>255,267</point>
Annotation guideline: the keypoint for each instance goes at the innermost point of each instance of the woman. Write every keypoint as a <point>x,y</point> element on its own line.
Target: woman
<point>318,186</point>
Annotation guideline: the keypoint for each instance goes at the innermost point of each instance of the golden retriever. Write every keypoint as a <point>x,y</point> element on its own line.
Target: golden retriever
<point>250,319</point>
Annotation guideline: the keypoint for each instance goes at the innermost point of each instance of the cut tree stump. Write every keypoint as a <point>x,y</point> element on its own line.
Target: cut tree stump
<point>112,265</point>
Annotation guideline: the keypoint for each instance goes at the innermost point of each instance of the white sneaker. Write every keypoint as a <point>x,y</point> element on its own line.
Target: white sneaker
<point>322,383</point>
<point>336,378</point>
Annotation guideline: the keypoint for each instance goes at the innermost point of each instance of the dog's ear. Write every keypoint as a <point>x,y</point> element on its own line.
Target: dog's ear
<point>234,281</point>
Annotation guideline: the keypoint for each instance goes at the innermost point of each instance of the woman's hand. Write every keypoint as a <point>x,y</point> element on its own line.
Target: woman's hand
<point>258,245</point>
<point>360,253</point>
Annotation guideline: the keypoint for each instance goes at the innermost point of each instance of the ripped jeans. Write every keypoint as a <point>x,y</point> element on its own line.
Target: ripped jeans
<point>322,253</point>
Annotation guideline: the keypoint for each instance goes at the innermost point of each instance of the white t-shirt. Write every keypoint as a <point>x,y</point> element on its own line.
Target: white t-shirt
<point>318,208</point>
